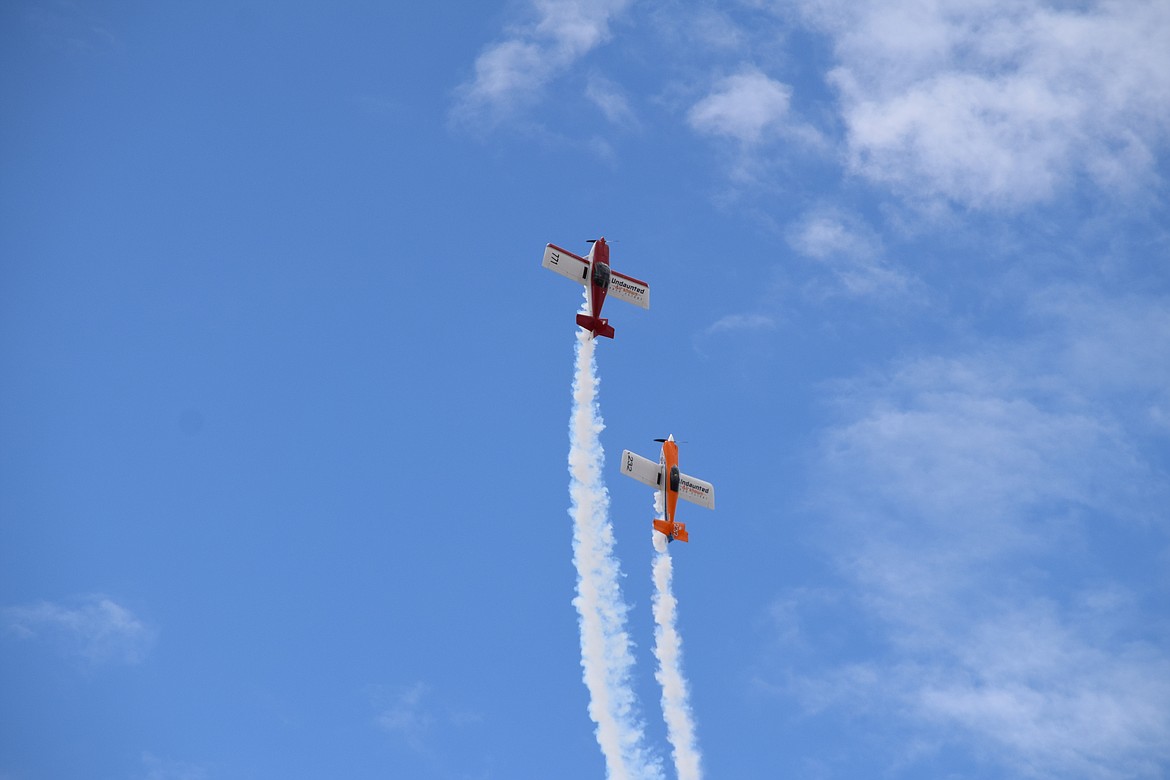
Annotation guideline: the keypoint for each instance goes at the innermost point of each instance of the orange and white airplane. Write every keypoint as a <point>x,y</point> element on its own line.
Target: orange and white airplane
<point>666,477</point>
<point>594,272</point>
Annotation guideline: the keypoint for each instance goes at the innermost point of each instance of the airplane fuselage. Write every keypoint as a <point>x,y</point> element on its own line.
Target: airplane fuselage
<point>669,478</point>
<point>669,464</point>
<point>597,285</point>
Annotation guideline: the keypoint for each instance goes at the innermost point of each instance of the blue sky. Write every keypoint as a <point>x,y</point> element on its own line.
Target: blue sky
<point>285,399</point>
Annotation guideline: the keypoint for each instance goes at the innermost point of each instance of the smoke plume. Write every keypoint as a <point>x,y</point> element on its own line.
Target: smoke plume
<point>676,708</point>
<point>606,657</point>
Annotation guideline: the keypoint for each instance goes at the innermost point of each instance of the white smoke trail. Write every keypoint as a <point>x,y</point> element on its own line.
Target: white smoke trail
<point>676,709</point>
<point>606,659</point>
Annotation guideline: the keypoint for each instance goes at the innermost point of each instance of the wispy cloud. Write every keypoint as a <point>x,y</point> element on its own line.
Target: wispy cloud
<point>748,117</point>
<point>420,719</point>
<point>1037,683</point>
<point>512,73</point>
<point>734,322</point>
<point>744,326</point>
<point>971,447</point>
<point>994,105</point>
<point>747,106</point>
<point>688,28</point>
<point>1034,689</point>
<point>407,717</point>
<point>959,496</point>
<point>850,251</point>
<point>743,107</point>
<point>612,101</point>
<point>1000,104</point>
<point>1112,348</point>
<point>71,27</point>
<point>162,769</point>
<point>95,628</point>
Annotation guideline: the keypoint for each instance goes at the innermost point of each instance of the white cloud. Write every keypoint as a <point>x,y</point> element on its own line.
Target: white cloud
<point>732,325</point>
<point>421,720</point>
<point>851,251</point>
<point>955,433</point>
<point>162,769</point>
<point>687,29</point>
<point>1029,690</point>
<point>713,30</point>
<point>1114,348</point>
<point>513,72</point>
<point>734,322</point>
<point>997,103</point>
<point>746,107</point>
<point>407,717</point>
<point>1062,704</point>
<point>71,27</point>
<point>960,498</point>
<point>508,72</point>
<point>823,235</point>
<point>95,628</point>
<point>612,101</point>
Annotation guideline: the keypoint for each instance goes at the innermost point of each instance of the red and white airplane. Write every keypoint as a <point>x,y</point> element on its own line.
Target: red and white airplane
<point>666,477</point>
<point>594,272</point>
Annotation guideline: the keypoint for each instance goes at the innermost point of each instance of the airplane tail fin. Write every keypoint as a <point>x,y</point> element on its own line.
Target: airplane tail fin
<point>672,530</point>
<point>598,326</point>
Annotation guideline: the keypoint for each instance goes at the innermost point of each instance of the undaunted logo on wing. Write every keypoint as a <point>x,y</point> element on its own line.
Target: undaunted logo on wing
<point>627,286</point>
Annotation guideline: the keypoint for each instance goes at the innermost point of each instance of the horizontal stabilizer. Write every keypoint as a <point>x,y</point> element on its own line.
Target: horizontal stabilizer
<point>598,326</point>
<point>672,530</point>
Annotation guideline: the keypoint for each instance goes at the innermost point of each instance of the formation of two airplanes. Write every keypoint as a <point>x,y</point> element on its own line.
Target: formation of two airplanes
<point>601,281</point>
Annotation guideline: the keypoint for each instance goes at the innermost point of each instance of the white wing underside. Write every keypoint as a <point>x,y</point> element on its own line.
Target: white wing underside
<point>696,491</point>
<point>571,266</point>
<point>628,289</point>
<point>566,263</point>
<point>645,471</point>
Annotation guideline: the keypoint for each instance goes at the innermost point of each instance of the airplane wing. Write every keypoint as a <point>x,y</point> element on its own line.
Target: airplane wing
<point>629,289</point>
<point>696,491</point>
<point>641,469</point>
<point>566,263</point>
